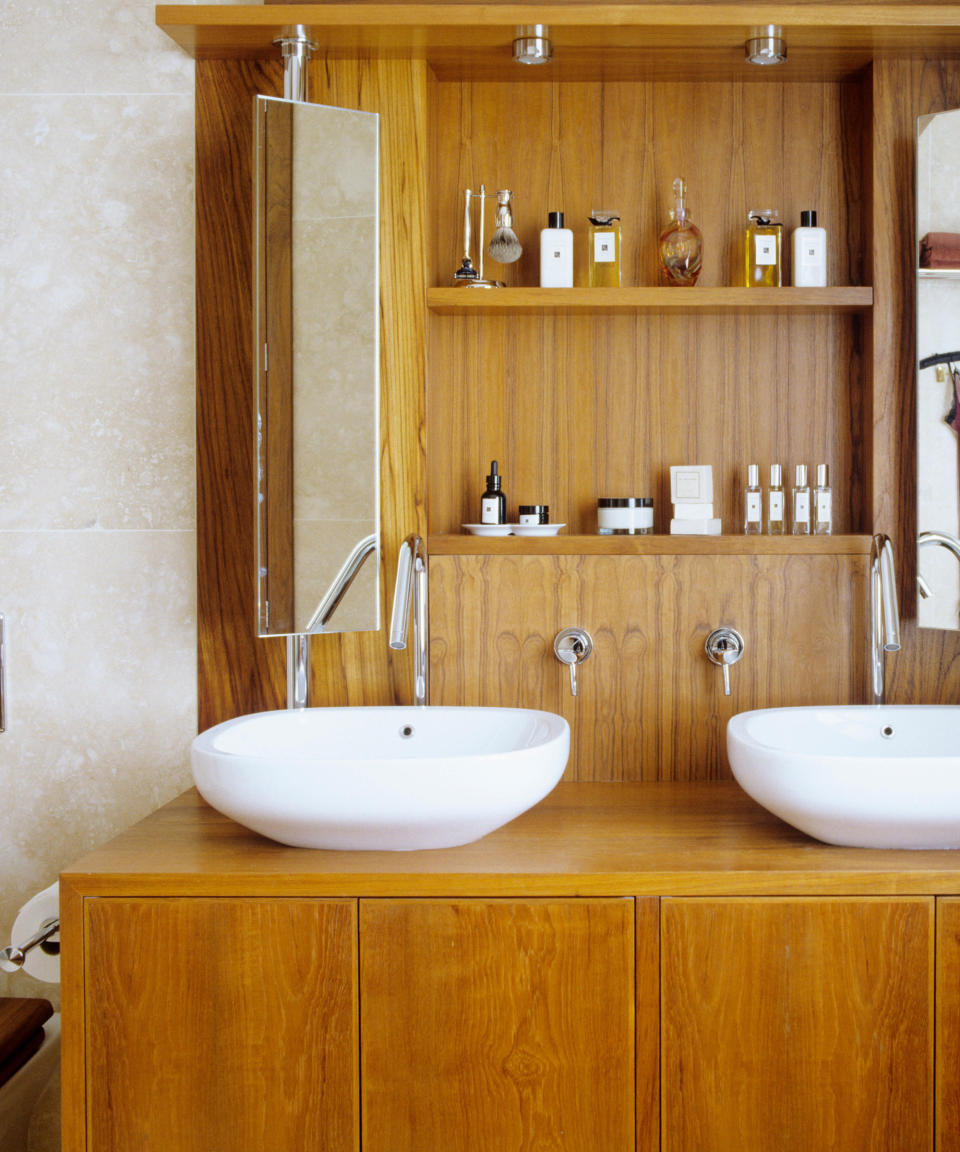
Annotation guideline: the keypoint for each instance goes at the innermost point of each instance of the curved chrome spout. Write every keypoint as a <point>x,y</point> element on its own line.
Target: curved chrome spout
<point>945,540</point>
<point>341,583</point>
<point>884,612</point>
<point>412,576</point>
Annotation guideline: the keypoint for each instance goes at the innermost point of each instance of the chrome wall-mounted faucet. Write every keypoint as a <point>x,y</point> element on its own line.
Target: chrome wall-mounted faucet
<point>412,577</point>
<point>884,613</point>
<point>724,646</point>
<point>572,646</point>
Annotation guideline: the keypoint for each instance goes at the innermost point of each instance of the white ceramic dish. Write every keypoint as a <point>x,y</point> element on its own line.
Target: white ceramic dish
<point>536,529</point>
<point>488,529</point>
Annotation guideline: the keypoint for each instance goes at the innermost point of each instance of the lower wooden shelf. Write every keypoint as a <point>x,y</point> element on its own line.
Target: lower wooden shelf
<point>463,544</point>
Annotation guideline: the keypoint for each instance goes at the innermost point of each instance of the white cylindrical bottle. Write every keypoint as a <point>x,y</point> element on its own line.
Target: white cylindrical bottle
<point>752,502</point>
<point>556,253</point>
<point>809,252</point>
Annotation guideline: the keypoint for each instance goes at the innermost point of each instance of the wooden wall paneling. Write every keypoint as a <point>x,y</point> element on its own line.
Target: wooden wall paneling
<point>496,1024</point>
<point>649,704</point>
<point>797,1024</point>
<point>948,1025</point>
<point>237,671</point>
<point>273,1056</point>
<point>927,669</point>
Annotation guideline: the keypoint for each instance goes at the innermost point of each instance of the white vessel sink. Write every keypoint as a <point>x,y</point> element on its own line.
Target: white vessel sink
<point>383,778</point>
<point>867,776</point>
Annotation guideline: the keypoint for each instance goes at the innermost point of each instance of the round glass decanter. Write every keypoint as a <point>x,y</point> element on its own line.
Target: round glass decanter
<point>681,245</point>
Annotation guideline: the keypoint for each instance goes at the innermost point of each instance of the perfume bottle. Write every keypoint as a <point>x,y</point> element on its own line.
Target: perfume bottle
<point>681,245</point>
<point>752,502</point>
<point>801,503</point>
<point>764,241</point>
<point>775,502</point>
<point>604,250</point>
<point>809,263</point>
<point>823,503</point>
<point>556,253</point>
<point>493,503</point>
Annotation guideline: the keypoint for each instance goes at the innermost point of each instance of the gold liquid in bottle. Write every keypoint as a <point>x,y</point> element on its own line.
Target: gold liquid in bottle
<point>763,248</point>
<point>604,256</point>
<point>681,245</point>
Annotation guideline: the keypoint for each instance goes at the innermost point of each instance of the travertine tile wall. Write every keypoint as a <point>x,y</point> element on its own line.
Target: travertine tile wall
<point>97,522</point>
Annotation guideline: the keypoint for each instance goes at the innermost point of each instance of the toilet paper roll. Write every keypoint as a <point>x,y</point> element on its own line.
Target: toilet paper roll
<point>37,909</point>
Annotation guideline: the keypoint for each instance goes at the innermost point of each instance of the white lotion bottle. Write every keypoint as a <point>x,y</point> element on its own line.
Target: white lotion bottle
<point>556,253</point>
<point>808,266</point>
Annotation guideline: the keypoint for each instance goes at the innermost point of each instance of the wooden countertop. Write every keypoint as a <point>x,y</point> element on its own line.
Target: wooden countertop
<point>582,840</point>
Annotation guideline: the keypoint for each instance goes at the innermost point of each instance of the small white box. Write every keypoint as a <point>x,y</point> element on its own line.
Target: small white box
<point>693,511</point>
<point>709,527</point>
<point>691,484</point>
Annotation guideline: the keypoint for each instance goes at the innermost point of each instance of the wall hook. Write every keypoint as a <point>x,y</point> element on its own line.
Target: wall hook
<point>572,646</point>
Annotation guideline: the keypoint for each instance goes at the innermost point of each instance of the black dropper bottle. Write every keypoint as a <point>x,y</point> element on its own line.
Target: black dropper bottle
<point>493,505</point>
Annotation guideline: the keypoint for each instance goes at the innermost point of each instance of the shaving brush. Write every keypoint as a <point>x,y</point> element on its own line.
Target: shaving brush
<point>505,248</point>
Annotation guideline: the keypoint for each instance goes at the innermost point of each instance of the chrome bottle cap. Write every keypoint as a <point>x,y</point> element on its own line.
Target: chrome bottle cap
<point>776,476</point>
<point>753,475</point>
<point>801,476</point>
<point>823,476</point>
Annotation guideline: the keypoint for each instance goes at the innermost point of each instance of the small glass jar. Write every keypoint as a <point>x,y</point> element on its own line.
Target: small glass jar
<point>624,516</point>
<point>533,514</point>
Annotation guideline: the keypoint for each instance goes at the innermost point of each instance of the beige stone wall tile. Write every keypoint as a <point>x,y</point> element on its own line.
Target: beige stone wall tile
<point>96,307</point>
<point>101,654</point>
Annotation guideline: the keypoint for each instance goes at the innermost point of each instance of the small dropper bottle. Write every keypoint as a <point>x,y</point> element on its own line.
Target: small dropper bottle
<point>752,503</point>
<point>493,504</point>
<point>775,502</point>
<point>801,503</point>
<point>823,503</point>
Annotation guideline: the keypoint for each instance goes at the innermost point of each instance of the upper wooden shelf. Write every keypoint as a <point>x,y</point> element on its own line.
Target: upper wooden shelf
<point>463,544</point>
<point>669,300</point>
<point>703,41</point>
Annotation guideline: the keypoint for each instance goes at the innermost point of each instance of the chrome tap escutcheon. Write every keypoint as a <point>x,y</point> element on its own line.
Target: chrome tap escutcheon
<point>724,646</point>
<point>572,646</point>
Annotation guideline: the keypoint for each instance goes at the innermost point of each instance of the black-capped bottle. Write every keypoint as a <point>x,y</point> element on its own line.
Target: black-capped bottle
<point>493,504</point>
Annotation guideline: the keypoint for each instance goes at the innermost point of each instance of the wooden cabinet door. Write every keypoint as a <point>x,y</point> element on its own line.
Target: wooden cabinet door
<point>797,1025</point>
<point>497,1024</point>
<point>948,1025</point>
<point>221,1024</point>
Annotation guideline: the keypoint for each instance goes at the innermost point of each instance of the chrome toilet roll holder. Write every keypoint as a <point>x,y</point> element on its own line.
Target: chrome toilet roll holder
<point>12,957</point>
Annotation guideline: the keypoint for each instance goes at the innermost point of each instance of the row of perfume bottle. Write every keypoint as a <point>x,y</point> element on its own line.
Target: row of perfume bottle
<point>811,511</point>
<point>680,250</point>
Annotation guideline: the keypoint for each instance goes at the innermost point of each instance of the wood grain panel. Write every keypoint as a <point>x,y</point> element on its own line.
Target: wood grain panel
<point>256,1000</point>
<point>927,668</point>
<point>237,672</point>
<point>650,705</point>
<point>495,1024</point>
<point>948,1026</point>
<point>797,1024</point>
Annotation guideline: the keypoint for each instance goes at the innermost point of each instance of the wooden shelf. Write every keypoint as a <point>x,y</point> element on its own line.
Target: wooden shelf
<point>708,301</point>
<point>463,544</point>
<point>829,39</point>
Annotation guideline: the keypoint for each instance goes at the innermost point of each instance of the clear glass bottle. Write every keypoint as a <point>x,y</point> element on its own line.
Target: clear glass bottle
<point>603,264</point>
<point>752,502</point>
<point>763,250</point>
<point>801,503</point>
<point>681,245</point>
<point>775,502</point>
<point>823,503</point>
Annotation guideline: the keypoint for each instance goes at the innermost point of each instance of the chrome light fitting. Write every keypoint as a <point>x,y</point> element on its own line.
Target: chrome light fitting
<point>531,44</point>
<point>767,45</point>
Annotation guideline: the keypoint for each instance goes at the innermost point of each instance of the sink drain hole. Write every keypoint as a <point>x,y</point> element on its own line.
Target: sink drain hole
<point>406,731</point>
<point>887,731</point>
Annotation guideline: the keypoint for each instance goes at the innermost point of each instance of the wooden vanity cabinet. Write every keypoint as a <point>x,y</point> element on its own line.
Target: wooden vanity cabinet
<point>798,1024</point>
<point>502,1024</point>
<point>219,1024</point>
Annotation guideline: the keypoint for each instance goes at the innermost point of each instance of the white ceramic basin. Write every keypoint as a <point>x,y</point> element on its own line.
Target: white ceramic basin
<point>394,778</point>
<point>867,776</point>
